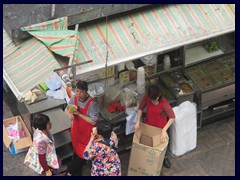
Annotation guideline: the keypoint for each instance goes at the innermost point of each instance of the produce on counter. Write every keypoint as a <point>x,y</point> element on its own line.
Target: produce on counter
<point>71,108</point>
<point>211,46</point>
<point>37,91</point>
<point>28,96</point>
<point>32,95</point>
<point>186,88</point>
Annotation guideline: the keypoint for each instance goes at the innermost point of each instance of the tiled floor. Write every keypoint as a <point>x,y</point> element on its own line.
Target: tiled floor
<point>213,156</point>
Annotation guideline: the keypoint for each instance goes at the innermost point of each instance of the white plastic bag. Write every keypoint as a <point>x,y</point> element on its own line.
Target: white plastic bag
<point>15,131</point>
<point>149,60</point>
<point>130,122</point>
<point>54,82</point>
<point>183,131</point>
<point>129,98</point>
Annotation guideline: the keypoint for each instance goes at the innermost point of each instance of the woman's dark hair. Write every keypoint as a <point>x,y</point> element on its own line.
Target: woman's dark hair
<point>154,92</point>
<point>40,122</point>
<point>104,128</point>
<point>83,85</point>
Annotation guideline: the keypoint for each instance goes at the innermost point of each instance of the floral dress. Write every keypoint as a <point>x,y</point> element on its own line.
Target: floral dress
<point>31,158</point>
<point>105,160</point>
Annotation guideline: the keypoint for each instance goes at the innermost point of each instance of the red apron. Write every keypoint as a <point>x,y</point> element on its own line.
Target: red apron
<point>155,114</point>
<point>81,130</point>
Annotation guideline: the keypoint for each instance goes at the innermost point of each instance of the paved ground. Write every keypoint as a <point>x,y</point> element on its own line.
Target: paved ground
<point>213,156</point>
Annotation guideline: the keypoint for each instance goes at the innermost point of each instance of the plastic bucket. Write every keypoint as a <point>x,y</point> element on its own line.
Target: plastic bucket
<point>97,91</point>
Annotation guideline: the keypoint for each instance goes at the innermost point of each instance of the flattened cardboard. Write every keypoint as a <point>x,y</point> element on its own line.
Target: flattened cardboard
<point>147,152</point>
<point>21,143</point>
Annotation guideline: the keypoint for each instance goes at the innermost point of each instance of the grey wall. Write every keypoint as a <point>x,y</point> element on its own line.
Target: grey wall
<point>16,16</point>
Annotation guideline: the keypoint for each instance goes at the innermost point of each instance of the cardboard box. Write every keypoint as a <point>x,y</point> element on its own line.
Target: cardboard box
<point>147,152</point>
<point>20,145</point>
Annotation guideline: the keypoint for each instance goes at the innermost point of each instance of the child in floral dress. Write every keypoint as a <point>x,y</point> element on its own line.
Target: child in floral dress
<point>100,149</point>
<point>41,156</point>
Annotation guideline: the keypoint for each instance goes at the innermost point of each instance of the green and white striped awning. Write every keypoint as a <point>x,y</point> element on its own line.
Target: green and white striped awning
<point>153,30</point>
<point>137,34</point>
<point>26,64</point>
<point>127,37</point>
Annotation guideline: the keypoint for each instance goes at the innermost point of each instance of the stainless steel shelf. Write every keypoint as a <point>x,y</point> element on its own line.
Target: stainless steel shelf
<point>199,53</point>
<point>65,151</point>
<point>207,114</point>
<point>62,139</point>
<point>59,119</point>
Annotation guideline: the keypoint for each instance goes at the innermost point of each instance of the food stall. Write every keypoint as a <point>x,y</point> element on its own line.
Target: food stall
<point>194,54</point>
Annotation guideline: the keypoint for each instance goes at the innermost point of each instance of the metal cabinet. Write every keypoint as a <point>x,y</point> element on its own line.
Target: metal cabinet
<point>218,95</point>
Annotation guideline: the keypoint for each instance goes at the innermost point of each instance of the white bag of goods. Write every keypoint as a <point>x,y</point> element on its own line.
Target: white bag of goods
<point>183,131</point>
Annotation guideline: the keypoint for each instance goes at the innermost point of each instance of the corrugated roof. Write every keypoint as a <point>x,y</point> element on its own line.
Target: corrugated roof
<point>153,30</point>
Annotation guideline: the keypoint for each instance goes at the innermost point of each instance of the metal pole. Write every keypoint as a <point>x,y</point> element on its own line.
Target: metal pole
<point>53,10</point>
<point>78,64</point>
<point>106,65</point>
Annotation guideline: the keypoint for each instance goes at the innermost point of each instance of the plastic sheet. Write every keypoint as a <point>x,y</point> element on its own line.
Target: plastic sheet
<point>183,131</point>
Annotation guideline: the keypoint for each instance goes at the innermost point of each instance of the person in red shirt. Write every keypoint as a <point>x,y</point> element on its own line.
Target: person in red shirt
<point>159,113</point>
<point>83,120</point>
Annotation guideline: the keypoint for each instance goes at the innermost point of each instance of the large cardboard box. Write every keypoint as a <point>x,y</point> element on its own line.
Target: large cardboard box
<point>147,152</point>
<point>20,145</point>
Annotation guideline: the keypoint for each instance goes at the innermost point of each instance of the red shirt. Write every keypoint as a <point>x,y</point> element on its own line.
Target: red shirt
<point>157,115</point>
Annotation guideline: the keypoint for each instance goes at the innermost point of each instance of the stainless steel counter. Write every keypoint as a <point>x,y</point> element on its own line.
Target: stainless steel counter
<point>44,105</point>
<point>59,119</point>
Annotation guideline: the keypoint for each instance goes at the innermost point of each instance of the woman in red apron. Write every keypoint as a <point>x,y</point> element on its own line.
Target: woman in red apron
<point>159,113</point>
<point>84,119</point>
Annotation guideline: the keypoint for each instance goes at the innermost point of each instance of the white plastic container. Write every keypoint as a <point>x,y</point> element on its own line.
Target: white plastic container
<point>140,74</point>
<point>166,62</point>
<point>141,80</point>
<point>97,90</point>
<point>141,87</point>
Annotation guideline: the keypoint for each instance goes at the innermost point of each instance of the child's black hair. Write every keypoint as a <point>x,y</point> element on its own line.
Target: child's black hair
<point>40,121</point>
<point>104,128</point>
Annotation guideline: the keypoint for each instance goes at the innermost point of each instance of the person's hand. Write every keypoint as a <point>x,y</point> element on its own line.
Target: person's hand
<point>70,115</point>
<point>94,132</point>
<point>76,113</point>
<point>49,173</point>
<point>136,126</point>
<point>93,136</point>
<point>164,136</point>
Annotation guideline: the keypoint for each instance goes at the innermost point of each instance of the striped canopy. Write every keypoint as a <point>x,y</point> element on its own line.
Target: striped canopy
<point>151,30</point>
<point>56,37</point>
<point>30,62</point>
<point>26,64</point>
<point>127,37</point>
<point>139,33</point>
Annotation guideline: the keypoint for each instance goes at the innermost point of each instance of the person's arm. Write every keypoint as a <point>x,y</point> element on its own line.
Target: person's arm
<point>113,139</point>
<point>90,142</point>
<point>86,153</point>
<point>140,110</point>
<point>139,116</point>
<point>164,135</point>
<point>42,150</point>
<point>93,112</point>
<point>170,113</point>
